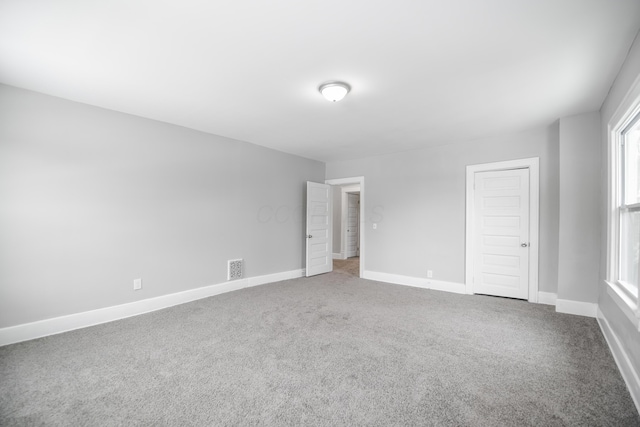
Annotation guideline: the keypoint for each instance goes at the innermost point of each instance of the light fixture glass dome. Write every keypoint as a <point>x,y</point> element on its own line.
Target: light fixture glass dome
<point>334,91</point>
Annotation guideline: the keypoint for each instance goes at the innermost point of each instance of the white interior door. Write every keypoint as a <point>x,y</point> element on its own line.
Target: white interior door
<point>353,220</point>
<point>319,234</point>
<point>501,233</point>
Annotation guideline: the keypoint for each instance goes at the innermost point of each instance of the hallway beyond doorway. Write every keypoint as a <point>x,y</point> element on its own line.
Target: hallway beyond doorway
<point>350,266</point>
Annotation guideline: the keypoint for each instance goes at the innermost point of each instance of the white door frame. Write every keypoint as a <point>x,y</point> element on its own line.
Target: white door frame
<point>359,180</point>
<point>533,164</point>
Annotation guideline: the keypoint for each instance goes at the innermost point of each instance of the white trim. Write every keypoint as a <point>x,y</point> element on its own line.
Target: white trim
<point>548,298</point>
<point>275,277</point>
<point>439,285</point>
<point>627,110</point>
<point>57,325</point>
<point>533,164</point>
<point>578,308</point>
<point>630,99</point>
<point>417,282</point>
<point>624,302</point>
<point>359,180</point>
<point>339,255</point>
<point>622,359</point>
<point>355,188</point>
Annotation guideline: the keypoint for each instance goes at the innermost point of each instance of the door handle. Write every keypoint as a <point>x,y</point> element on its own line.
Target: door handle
<point>309,236</point>
<point>524,245</point>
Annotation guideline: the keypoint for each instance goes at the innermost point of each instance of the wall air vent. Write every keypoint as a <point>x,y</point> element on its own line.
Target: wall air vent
<point>234,269</point>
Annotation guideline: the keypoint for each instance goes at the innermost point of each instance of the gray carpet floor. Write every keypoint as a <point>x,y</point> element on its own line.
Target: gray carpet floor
<point>328,350</point>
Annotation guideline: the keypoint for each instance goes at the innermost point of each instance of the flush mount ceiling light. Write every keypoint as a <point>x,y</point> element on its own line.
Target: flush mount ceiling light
<point>334,91</point>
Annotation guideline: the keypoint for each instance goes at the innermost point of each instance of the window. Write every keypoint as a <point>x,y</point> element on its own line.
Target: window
<point>623,248</point>
<point>629,206</point>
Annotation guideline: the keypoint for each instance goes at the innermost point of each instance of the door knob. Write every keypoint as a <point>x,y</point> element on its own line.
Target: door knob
<point>524,245</point>
<point>309,236</point>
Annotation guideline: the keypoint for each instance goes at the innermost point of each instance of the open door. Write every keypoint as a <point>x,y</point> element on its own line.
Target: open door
<point>319,258</point>
<point>353,225</point>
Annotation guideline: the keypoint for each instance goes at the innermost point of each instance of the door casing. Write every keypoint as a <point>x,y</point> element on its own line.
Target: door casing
<point>533,164</point>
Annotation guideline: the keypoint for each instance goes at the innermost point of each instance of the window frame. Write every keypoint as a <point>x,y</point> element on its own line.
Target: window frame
<point>624,294</point>
<point>623,205</point>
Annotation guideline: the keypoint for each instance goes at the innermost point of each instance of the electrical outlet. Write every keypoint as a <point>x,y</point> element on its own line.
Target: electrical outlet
<point>429,274</point>
<point>375,225</point>
<point>137,284</point>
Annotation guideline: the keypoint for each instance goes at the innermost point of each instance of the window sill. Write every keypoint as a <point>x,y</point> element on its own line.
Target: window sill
<point>628,306</point>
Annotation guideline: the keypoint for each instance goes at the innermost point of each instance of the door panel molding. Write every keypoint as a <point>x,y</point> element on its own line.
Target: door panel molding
<point>344,214</point>
<point>319,258</point>
<point>501,263</point>
<point>352,224</point>
<point>533,164</point>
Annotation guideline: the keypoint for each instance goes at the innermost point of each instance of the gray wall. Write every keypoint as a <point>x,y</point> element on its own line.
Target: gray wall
<point>91,199</point>
<point>622,327</point>
<point>417,198</point>
<point>580,221</point>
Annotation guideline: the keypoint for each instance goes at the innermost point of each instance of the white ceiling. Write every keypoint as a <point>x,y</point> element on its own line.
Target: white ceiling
<point>423,72</point>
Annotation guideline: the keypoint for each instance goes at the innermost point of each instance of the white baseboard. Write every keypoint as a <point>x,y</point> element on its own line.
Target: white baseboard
<point>418,282</point>
<point>57,325</point>
<point>340,255</point>
<point>625,366</point>
<point>576,307</point>
<point>548,298</point>
<point>275,277</point>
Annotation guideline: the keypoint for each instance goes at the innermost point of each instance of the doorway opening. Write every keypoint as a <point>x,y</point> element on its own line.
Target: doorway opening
<point>348,220</point>
<point>349,266</point>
